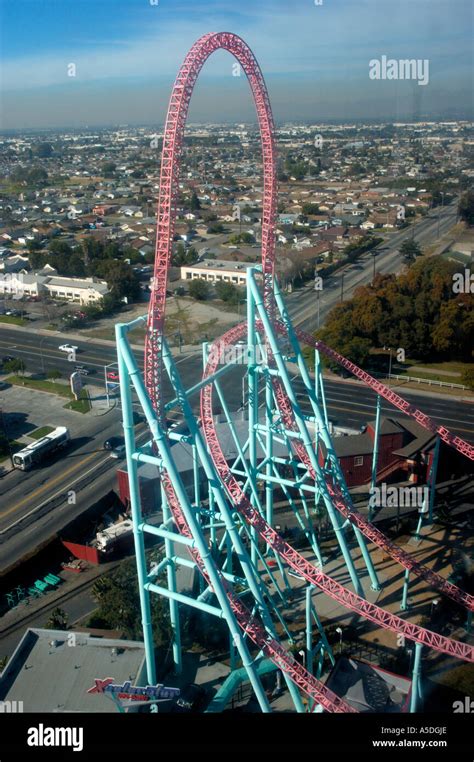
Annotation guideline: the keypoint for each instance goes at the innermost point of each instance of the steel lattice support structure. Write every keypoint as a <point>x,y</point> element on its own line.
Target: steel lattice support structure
<point>226,519</point>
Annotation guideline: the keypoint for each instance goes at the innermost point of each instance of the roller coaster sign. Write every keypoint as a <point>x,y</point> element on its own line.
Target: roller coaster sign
<point>133,693</point>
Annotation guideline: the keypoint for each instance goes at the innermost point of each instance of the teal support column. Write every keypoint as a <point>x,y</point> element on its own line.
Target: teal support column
<point>418,527</point>
<point>309,637</point>
<point>248,569</point>
<point>404,603</point>
<point>319,386</point>
<point>301,423</point>
<point>375,457</point>
<point>172,587</point>
<point>416,678</point>
<point>309,631</point>
<point>433,475</point>
<point>269,450</point>
<point>135,505</point>
<point>197,491</point>
<point>161,441</point>
<point>323,429</point>
<point>212,522</point>
<point>252,406</point>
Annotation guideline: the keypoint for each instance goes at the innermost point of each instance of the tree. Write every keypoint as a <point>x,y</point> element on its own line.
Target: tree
<point>309,208</point>
<point>33,245</point>
<point>417,310</point>
<point>53,375</point>
<point>183,257</point>
<point>119,605</point>
<point>228,292</point>
<point>37,175</point>
<point>44,150</point>
<point>466,207</point>
<point>467,378</point>
<point>199,290</point>
<point>58,620</point>
<point>108,168</point>
<point>218,228</point>
<point>194,204</point>
<point>15,366</point>
<point>120,278</point>
<point>296,169</point>
<point>410,249</point>
<point>242,238</point>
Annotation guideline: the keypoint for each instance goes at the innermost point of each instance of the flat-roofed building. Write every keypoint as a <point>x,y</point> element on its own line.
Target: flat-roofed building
<point>53,670</point>
<point>217,270</point>
<point>49,283</point>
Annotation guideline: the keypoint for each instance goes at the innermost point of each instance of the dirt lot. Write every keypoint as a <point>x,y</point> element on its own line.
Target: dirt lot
<point>195,321</point>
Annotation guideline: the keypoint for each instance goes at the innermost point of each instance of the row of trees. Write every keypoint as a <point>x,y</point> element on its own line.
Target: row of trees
<point>417,311</point>
<point>227,292</point>
<point>466,207</point>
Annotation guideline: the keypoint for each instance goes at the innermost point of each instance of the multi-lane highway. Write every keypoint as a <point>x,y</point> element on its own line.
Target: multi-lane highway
<point>302,304</point>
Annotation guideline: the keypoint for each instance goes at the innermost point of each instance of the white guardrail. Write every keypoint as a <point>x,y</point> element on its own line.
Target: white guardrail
<point>429,381</point>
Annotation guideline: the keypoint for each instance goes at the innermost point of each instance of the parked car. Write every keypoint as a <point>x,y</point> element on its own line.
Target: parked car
<point>112,375</point>
<point>7,358</point>
<point>113,442</point>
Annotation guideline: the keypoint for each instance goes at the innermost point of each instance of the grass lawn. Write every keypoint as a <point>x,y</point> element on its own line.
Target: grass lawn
<point>62,390</point>
<point>13,319</point>
<point>82,405</point>
<point>41,432</point>
<point>451,367</point>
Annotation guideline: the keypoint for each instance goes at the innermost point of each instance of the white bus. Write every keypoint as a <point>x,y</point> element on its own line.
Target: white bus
<point>35,452</point>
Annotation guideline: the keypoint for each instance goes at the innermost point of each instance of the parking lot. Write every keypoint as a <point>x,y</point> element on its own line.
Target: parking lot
<point>42,410</point>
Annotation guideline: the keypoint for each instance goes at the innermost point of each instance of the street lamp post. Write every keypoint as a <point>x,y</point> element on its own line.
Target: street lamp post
<point>339,631</point>
<point>41,353</point>
<point>374,254</point>
<point>318,295</point>
<point>342,287</point>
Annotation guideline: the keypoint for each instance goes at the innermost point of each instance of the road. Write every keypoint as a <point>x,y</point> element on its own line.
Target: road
<point>302,304</point>
<point>35,504</point>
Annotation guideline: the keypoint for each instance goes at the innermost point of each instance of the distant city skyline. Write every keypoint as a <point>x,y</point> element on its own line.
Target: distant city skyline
<point>123,56</point>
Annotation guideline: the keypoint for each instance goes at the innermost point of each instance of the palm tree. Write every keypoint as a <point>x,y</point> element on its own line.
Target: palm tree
<point>58,620</point>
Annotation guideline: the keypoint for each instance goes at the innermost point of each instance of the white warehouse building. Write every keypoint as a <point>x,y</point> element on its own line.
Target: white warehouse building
<point>215,270</point>
<point>47,282</point>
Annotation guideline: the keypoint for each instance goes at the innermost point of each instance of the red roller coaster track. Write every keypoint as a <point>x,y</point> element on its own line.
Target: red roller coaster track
<point>166,213</point>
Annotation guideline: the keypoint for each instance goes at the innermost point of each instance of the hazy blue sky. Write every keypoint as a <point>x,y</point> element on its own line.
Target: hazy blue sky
<point>315,59</point>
